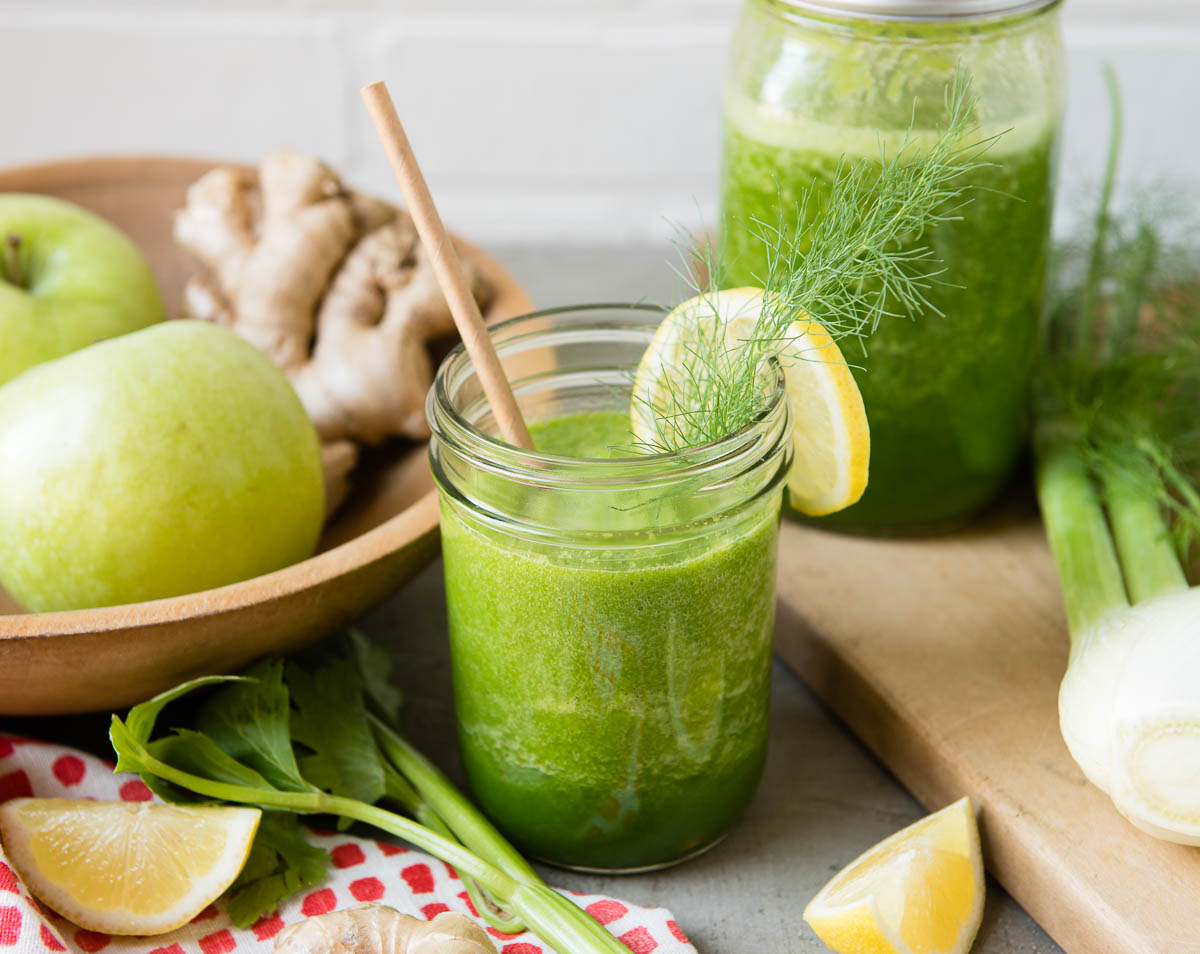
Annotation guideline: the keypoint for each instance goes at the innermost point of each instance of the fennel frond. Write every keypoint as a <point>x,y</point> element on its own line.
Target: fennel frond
<point>857,263</point>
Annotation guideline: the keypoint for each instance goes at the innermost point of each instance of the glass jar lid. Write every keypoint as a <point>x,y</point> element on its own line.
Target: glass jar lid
<point>921,9</point>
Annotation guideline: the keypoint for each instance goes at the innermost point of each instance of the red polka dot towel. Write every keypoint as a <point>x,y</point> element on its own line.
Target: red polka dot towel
<point>361,871</point>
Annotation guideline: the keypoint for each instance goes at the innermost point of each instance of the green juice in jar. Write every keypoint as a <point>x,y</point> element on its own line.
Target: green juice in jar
<point>610,610</point>
<point>612,705</point>
<point>946,390</point>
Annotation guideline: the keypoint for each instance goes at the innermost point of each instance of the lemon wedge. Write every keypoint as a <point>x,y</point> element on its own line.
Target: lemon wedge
<point>830,434</point>
<point>126,867</point>
<point>918,892</point>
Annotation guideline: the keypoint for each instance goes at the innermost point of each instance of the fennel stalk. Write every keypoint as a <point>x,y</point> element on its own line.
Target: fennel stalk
<point>1115,450</point>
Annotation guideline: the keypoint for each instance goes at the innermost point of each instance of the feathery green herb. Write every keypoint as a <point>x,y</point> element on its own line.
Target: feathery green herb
<point>1120,382</point>
<point>855,263</point>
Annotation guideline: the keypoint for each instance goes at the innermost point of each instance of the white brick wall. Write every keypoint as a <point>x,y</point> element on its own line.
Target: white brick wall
<point>534,119</point>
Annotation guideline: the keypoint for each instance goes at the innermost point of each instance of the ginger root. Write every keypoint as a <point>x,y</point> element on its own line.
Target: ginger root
<point>379,929</point>
<point>333,285</point>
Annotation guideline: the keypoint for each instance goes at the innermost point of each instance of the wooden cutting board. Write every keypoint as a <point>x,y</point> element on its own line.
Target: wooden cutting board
<point>944,655</point>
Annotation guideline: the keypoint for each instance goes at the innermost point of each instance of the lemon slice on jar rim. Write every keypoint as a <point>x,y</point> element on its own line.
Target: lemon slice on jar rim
<point>830,435</point>
<point>126,867</point>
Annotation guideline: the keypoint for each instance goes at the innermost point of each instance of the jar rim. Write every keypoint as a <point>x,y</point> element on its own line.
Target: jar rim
<point>926,10</point>
<point>490,453</point>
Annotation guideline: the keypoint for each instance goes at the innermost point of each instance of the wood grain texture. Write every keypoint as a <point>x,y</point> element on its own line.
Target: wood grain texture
<point>106,658</point>
<point>944,656</point>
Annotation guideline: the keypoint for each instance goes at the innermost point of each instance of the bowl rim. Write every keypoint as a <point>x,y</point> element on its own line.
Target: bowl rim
<point>412,524</point>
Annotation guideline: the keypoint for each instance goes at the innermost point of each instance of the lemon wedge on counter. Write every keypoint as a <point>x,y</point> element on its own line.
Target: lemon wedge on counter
<point>830,435</point>
<point>918,892</point>
<point>126,867</point>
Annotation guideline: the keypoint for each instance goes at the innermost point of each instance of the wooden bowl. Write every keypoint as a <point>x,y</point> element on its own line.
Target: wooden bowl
<point>107,658</point>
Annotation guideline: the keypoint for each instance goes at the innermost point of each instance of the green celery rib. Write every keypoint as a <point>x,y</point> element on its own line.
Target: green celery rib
<point>1078,533</point>
<point>550,915</point>
<point>463,818</point>
<point>540,907</point>
<point>400,791</point>
<point>1144,543</point>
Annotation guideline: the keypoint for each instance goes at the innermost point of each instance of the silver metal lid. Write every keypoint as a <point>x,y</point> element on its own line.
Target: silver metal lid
<point>921,9</point>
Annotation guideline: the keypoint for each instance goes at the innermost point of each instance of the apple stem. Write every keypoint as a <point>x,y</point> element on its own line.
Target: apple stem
<point>12,259</point>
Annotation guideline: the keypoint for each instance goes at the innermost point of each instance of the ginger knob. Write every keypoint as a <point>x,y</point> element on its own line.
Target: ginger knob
<point>332,285</point>
<point>379,929</point>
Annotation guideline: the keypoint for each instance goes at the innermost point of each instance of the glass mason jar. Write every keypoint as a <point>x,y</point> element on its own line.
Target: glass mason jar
<point>812,84</point>
<point>610,618</point>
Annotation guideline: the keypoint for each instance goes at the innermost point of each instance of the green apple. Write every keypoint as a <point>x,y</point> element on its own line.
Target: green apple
<point>174,459</point>
<point>67,280</point>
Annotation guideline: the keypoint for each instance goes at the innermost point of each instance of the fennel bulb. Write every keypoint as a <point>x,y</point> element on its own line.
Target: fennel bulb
<point>1129,704</point>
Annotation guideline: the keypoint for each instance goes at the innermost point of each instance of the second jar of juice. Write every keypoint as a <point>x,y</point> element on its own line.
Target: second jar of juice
<point>813,85</point>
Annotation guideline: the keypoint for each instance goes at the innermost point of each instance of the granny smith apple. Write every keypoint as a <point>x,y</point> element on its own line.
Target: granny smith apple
<point>170,460</point>
<point>67,280</point>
